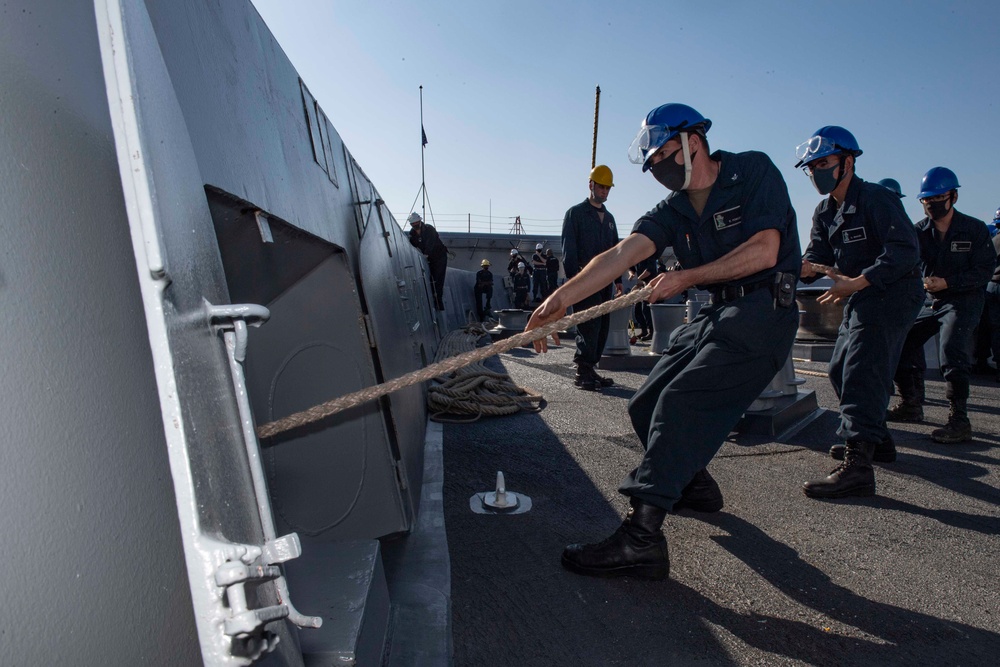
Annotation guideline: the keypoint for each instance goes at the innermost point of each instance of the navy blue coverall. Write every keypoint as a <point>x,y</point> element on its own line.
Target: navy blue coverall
<point>641,312</point>
<point>871,235</point>
<point>427,241</point>
<point>993,307</point>
<point>522,285</point>
<point>715,366</point>
<point>484,288</point>
<point>585,236</point>
<point>966,258</point>
<point>552,273</point>
<point>540,272</point>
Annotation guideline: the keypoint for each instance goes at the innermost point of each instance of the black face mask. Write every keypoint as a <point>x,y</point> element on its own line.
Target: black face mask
<point>823,179</point>
<point>669,173</point>
<point>936,210</point>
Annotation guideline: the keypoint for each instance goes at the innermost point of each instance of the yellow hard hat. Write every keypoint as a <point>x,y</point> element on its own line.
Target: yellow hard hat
<point>485,262</point>
<point>601,175</point>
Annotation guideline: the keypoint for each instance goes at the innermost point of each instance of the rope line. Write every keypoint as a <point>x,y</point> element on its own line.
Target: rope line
<point>818,374</point>
<point>446,366</point>
<point>474,389</point>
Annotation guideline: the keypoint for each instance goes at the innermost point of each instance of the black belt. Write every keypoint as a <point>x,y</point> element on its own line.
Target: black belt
<point>775,282</point>
<point>730,293</point>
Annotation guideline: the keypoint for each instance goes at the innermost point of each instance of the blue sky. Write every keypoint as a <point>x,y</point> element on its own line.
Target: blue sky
<point>509,93</point>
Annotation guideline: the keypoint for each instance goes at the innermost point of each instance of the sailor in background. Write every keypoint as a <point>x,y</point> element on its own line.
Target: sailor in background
<point>552,272</point>
<point>540,272</point>
<point>732,226</point>
<point>861,230</point>
<point>425,238</point>
<point>893,185</point>
<point>958,260</point>
<point>993,296</point>
<point>642,314</point>
<point>515,259</point>
<point>987,332</point>
<point>522,285</point>
<point>484,289</point>
<point>588,230</point>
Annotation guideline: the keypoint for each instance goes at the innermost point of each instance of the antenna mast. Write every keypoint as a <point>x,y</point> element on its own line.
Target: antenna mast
<point>423,146</point>
<point>597,110</point>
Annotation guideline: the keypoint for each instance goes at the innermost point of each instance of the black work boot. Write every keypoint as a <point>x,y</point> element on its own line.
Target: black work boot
<point>853,477</point>
<point>905,412</point>
<point>585,378</point>
<point>958,429</point>
<point>910,388</point>
<point>702,494</point>
<point>885,451</point>
<point>600,379</point>
<point>637,549</point>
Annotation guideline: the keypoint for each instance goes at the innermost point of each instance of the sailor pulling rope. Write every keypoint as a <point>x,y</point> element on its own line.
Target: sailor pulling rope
<point>447,366</point>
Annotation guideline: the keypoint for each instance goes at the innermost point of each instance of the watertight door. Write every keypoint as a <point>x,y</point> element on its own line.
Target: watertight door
<point>404,335</point>
<point>223,517</point>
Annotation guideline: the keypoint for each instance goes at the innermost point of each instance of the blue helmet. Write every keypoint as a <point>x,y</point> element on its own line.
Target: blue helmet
<point>828,140</point>
<point>660,126</point>
<point>937,181</point>
<point>892,184</point>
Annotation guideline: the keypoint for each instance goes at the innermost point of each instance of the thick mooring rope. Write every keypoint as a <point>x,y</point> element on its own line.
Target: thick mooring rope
<point>474,389</point>
<point>447,366</point>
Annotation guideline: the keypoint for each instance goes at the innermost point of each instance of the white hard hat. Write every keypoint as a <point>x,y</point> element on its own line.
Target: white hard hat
<point>414,217</point>
<point>520,265</point>
<point>538,246</point>
<point>513,251</point>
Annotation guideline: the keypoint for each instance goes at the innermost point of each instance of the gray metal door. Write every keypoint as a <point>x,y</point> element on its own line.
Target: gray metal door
<point>337,479</point>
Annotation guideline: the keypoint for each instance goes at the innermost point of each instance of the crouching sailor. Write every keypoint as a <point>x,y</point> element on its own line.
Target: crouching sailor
<point>732,226</point>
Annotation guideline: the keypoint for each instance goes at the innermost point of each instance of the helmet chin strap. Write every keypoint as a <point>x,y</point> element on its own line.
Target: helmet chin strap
<point>686,148</point>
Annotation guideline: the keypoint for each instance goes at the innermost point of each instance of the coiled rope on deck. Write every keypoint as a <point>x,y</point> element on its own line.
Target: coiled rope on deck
<point>474,389</point>
<point>446,366</point>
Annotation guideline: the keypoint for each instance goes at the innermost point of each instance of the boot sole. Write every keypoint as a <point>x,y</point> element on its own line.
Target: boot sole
<point>859,491</point>
<point>706,507</point>
<point>654,572</point>
<point>900,420</point>
<point>951,441</point>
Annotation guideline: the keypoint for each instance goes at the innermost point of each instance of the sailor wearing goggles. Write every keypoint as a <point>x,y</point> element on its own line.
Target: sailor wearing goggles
<point>865,243</point>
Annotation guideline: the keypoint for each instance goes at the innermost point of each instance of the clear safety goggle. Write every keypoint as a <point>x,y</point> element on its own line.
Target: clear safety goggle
<point>815,146</point>
<point>650,136</point>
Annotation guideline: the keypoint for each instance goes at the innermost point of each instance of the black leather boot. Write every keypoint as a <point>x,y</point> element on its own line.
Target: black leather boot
<point>702,494</point>
<point>910,387</point>
<point>637,549</point>
<point>600,379</point>
<point>585,377</point>
<point>905,412</point>
<point>853,477</point>
<point>958,429</point>
<point>885,451</point>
